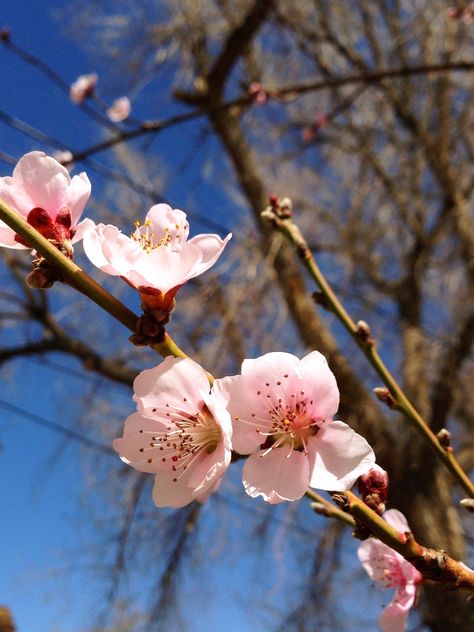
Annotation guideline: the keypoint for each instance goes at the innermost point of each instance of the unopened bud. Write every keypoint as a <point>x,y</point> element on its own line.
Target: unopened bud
<point>385,396</point>
<point>364,333</point>
<point>40,279</point>
<point>361,532</point>
<point>444,438</point>
<point>373,488</point>
<point>5,34</point>
<point>468,504</point>
<point>286,208</point>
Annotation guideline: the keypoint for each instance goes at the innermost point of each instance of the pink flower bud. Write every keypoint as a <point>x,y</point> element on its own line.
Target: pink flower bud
<point>119,110</point>
<point>83,88</point>
<point>373,488</point>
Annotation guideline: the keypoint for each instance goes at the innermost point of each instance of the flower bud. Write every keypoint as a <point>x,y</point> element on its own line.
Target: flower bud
<point>40,279</point>
<point>373,488</point>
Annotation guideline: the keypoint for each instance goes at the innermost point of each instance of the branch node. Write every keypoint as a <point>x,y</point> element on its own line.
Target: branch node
<point>361,532</point>
<point>385,396</point>
<point>364,333</point>
<point>444,438</point>
<point>5,34</point>
<point>320,299</point>
<point>341,501</point>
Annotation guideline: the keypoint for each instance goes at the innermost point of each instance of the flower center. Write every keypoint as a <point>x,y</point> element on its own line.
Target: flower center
<point>147,241</point>
<point>392,573</point>
<point>291,425</point>
<point>186,438</point>
<point>288,423</point>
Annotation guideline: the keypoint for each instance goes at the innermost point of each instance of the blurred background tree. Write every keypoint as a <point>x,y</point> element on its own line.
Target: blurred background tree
<point>362,114</point>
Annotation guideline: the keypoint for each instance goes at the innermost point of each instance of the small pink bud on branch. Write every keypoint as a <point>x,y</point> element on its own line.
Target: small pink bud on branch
<point>373,488</point>
<point>385,396</point>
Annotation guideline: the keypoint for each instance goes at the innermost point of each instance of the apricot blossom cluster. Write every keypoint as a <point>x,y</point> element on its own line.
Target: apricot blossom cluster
<point>278,412</point>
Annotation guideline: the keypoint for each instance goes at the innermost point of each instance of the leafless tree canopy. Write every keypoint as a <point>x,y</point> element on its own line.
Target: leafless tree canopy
<point>368,127</point>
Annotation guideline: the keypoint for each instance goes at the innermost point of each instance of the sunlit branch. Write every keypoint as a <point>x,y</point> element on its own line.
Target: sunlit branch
<point>280,217</point>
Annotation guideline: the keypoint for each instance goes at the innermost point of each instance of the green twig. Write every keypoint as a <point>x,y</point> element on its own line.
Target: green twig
<point>326,508</point>
<point>279,213</point>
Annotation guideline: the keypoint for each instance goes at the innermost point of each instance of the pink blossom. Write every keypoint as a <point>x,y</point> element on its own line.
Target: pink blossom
<point>119,110</point>
<point>157,257</point>
<point>83,88</point>
<point>42,192</point>
<point>388,569</point>
<point>282,410</point>
<point>373,488</point>
<point>181,432</point>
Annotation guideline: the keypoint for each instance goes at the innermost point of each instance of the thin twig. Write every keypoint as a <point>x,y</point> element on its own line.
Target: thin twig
<point>393,395</point>
<point>434,565</point>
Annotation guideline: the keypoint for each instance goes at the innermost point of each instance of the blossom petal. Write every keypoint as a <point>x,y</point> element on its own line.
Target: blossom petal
<point>134,448</point>
<point>271,365</point>
<point>209,469</point>
<point>217,405</point>
<point>276,476</point>
<point>76,195</point>
<point>372,555</point>
<point>170,493</point>
<point>176,381</point>
<point>164,268</point>
<point>339,456</point>
<point>41,180</point>
<point>81,228</point>
<point>397,520</point>
<point>7,237</point>
<point>318,379</point>
<point>211,247</point>
<point>248,411</point>
<point>166,220</point>
<point>394,617</point>
<point>110,250</point>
